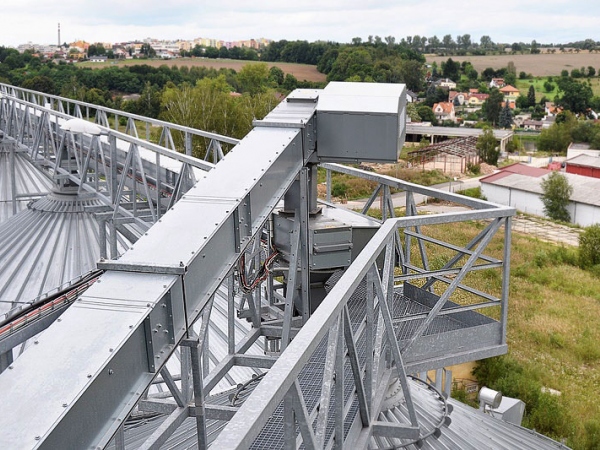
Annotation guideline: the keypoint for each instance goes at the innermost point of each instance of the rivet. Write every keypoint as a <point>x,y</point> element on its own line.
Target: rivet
<point>111,350</point>
<point>110,371</point>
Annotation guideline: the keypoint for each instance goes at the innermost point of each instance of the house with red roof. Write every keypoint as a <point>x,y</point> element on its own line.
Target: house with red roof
<point>444,111</point>
<point>476,100</point>
<point>510,93</point>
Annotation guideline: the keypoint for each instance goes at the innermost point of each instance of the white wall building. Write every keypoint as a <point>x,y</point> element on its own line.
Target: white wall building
<point>521,188</point>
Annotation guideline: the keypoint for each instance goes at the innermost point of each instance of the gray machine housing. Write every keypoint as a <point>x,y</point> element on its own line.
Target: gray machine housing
<point>361,122</point>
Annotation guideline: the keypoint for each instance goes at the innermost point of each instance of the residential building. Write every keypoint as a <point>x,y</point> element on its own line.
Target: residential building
<point>458,98</point>
<point>444,111</point>
<point>445,83</point>
<point>98,58</point>
<point>510,93</point>
<point>551,109</point>
<point>411,97</point>
<point>532,125</point>
<point>497,83</point>
<point>477,100</point>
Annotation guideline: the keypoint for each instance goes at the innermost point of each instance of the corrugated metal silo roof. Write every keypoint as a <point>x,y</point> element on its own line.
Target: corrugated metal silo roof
<point>29,181</point>
<point>46,247</point>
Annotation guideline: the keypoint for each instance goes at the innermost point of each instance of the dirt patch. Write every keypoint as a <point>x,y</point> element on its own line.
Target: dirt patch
<point>486,169</point>
<point>543,64</point>
<point>300,71</point>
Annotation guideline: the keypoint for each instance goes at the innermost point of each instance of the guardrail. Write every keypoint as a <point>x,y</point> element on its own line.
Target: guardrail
<point>212,142</point>
<point>341,322</point>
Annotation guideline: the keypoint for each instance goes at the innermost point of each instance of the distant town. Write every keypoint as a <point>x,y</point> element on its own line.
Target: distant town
<point>166,49</point>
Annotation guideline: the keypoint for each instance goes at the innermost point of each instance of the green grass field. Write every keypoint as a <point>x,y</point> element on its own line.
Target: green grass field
<point>540,91</point>
<point>553,324</point>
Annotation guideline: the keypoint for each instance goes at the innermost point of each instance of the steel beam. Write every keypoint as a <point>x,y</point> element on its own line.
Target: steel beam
<point>99,372</point>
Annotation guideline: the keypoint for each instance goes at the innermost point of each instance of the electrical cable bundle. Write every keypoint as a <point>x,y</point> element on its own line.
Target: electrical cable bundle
<point>262,274</point>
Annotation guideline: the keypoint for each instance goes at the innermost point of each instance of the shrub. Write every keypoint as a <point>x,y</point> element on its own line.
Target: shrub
<point>589,247</point>
<point>473,192</point>
<point>550,417</point>
<point>475,169</point>
<point>339,189</point>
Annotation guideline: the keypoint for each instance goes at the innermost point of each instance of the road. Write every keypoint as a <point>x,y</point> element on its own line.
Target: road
<point>399,199</point>
<point>539,227</point>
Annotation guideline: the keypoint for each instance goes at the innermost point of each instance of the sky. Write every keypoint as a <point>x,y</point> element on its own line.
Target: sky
<point>546,21</point>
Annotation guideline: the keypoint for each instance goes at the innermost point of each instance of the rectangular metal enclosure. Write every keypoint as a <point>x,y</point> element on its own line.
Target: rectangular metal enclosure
<point>361,122</point>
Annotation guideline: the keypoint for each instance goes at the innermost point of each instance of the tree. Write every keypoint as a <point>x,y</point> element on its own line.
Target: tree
<point>148,104</point>
<point>426,114</point>
<point>39,83</point>
<point>276,75</point>
<point>589,247</point>
<point>575,96</point>
<point>511,74</point>
<point>506,117</point>
<point>492,106</point>
<point>411,111</point>
<point>510,78</point>
<point>531,96</point>
<point>450,69</point>
<point>448,42</point>
<point>147,50</point>
<point>253,78</point>
<point>486,42</point>
<point>488,147</point>
<point>411,73</point>
<point>591,71</point>
<point>290,82</point>
<point>556,194</point>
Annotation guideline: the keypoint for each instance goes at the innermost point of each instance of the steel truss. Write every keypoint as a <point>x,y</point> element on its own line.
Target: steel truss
<point>158,297</point>
<point>380,330</point>
<point>146,179</point>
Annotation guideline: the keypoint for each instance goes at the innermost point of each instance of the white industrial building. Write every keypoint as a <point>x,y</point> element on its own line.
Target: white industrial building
<point>519,186</point>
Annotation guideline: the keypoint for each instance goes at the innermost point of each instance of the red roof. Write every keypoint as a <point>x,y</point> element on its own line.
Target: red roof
<point>447,107</point>
<point>509,88</point>
<point>518,168</point>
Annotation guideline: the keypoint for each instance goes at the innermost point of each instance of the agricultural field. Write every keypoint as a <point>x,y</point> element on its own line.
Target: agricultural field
<point>301,71</point>
<point>541,65</point>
